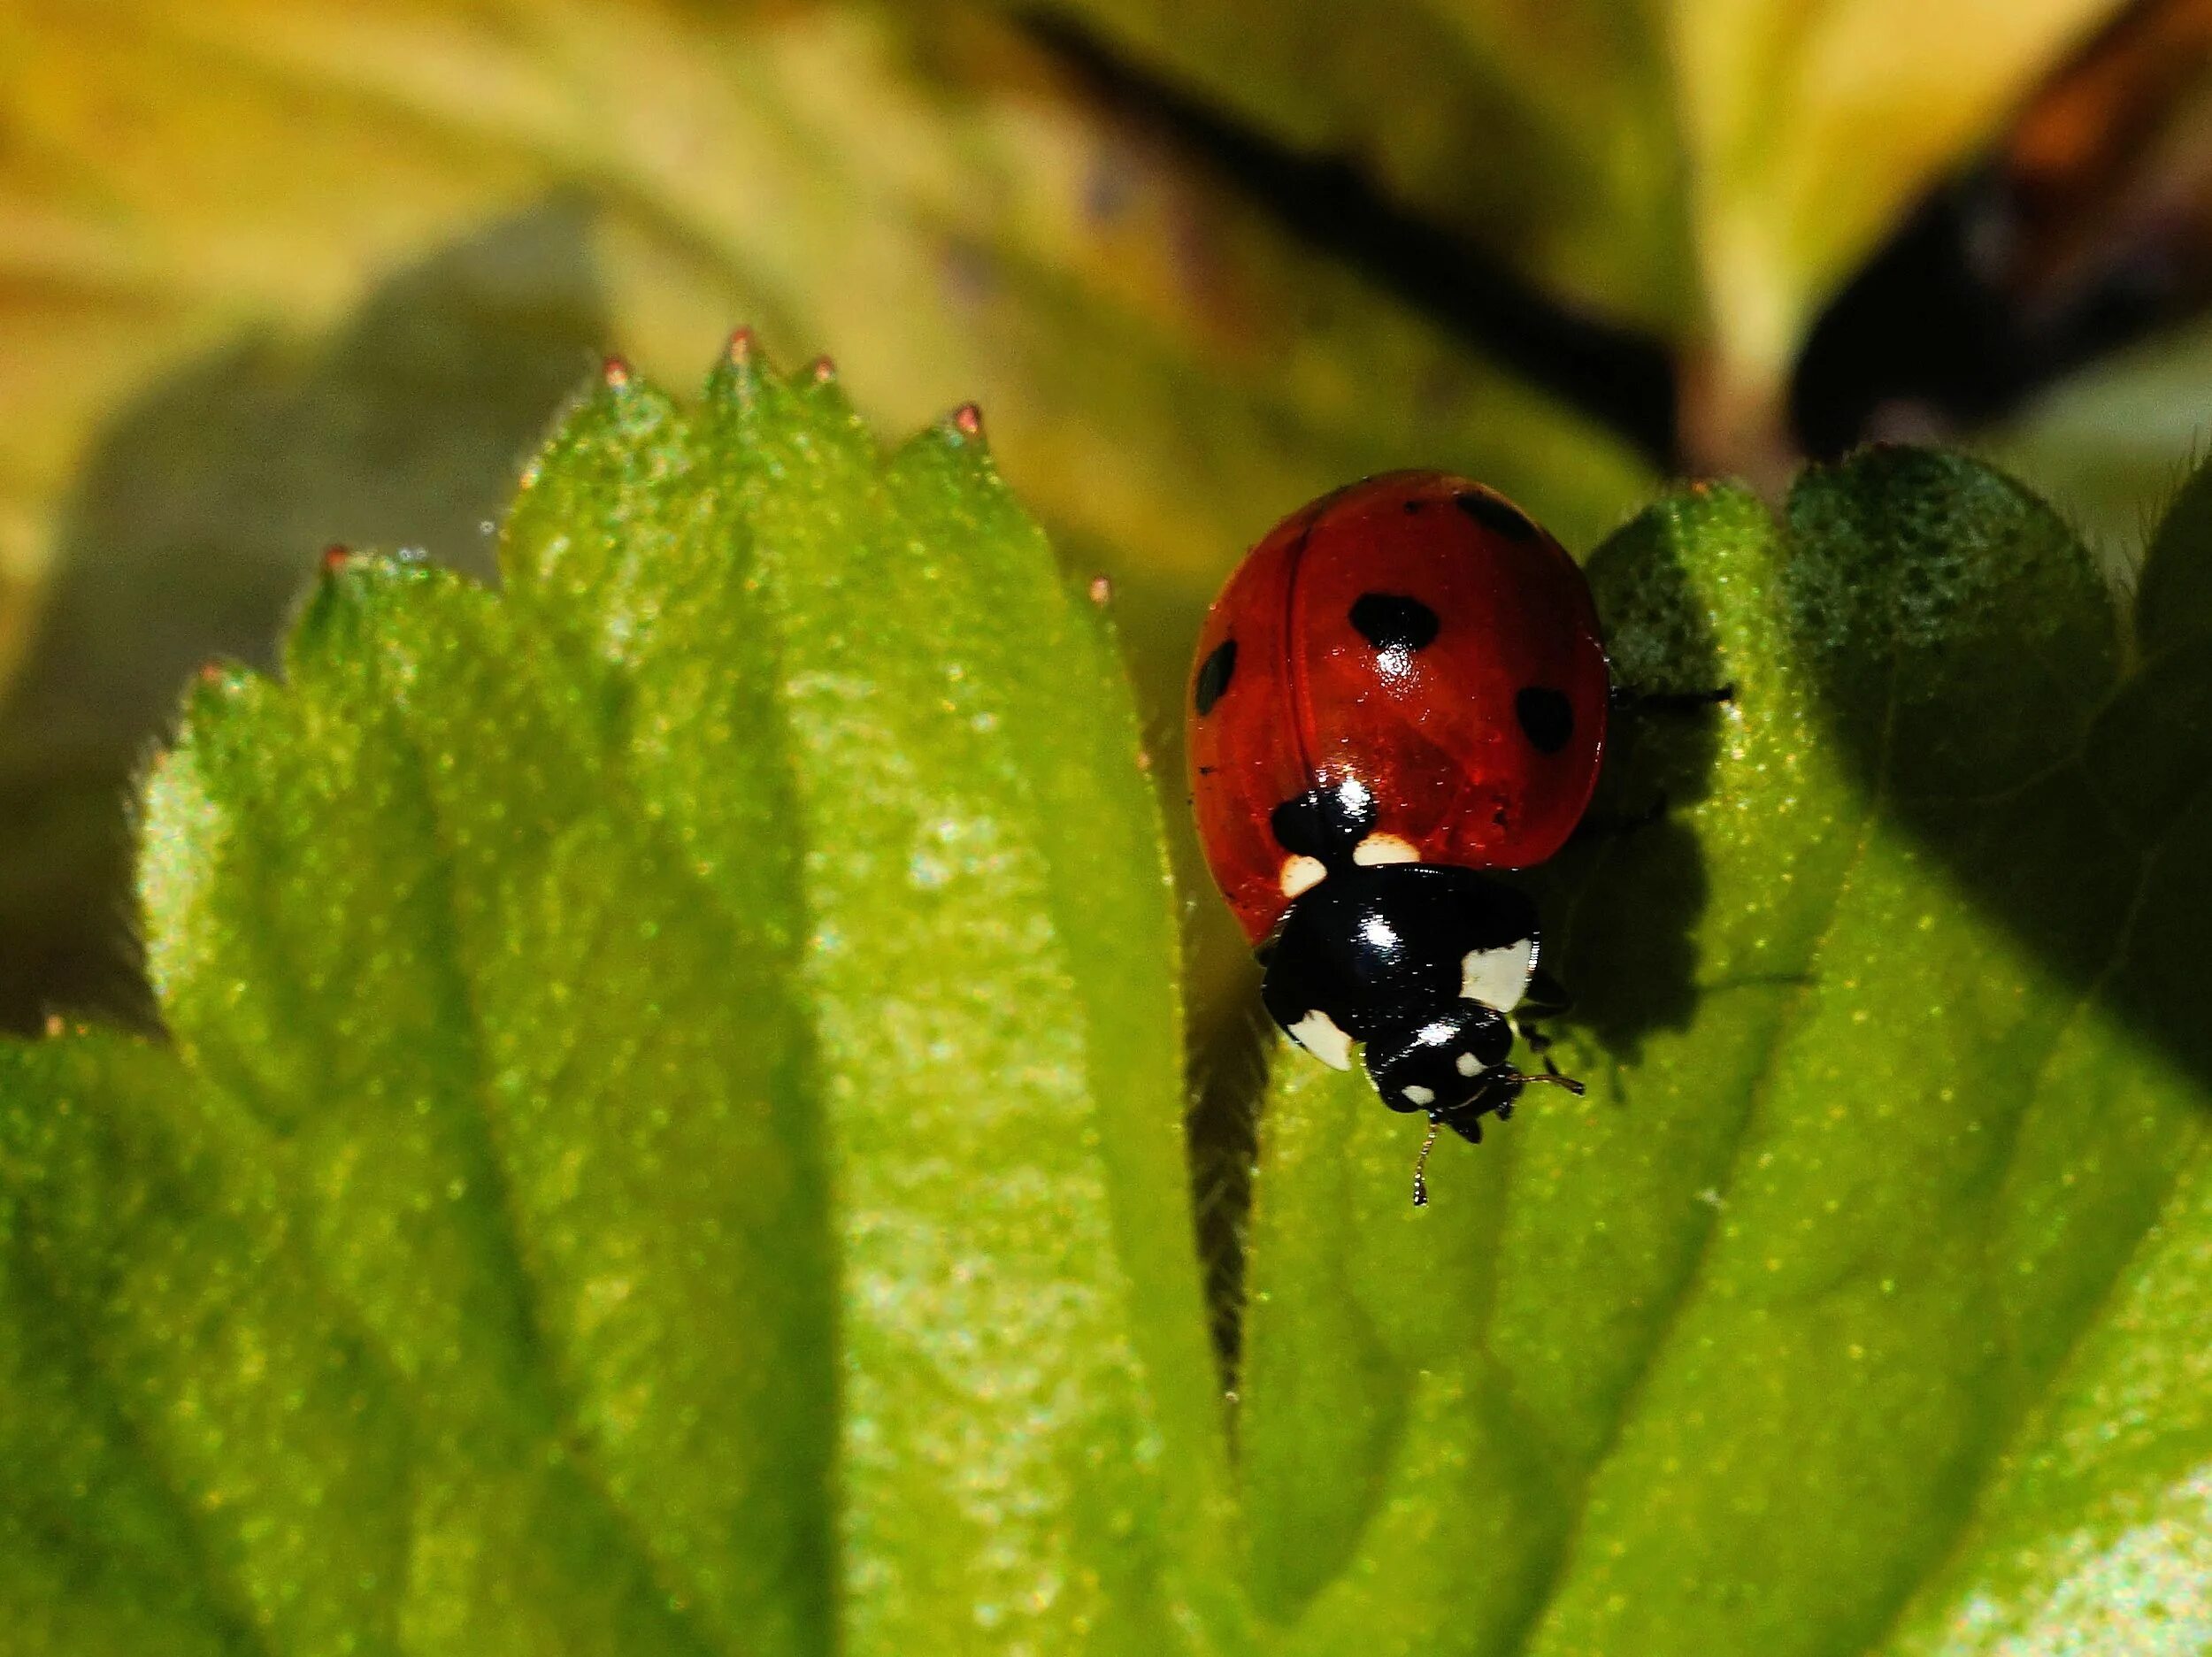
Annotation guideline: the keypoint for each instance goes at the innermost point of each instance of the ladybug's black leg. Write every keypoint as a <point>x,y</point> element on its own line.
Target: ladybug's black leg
<point>1541,1045</point>
<point>1545,997</point>
<point>1629,699</point>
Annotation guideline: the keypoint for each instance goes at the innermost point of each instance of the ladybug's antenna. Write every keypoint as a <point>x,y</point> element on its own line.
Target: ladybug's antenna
<point>1421,1164</point>
<point>1553,1077</point>
<point>1436,1123</point>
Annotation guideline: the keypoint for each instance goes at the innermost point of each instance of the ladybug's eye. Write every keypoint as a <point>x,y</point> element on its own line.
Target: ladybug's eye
<point>1213,676</point>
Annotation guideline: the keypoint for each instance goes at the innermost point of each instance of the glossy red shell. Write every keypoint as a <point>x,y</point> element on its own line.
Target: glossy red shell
<point>1437,734</point>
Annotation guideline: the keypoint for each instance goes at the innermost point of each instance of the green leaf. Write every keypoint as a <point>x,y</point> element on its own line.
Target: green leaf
<point>533,1097</point>
<point>1845,1310</point>
<point>670,1143</point>
<point>1709,174</point>
<point>2109,444</point>
<point>202,1449</point>
<point>1546,134</point>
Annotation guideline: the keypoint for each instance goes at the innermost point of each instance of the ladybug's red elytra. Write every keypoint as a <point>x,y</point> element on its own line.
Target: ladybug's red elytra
<point>1402,686</point>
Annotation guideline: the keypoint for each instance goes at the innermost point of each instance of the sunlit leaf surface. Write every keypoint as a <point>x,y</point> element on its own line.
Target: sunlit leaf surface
<point>671,1144</point>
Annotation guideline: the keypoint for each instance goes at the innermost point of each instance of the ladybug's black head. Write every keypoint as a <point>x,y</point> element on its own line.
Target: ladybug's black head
<point>1448,1062</point>
<point>1423,964</point>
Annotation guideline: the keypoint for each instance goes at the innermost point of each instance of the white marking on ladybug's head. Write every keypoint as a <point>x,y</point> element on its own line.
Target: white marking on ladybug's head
<point>1318,1033</point>
<point>1301,874</point>
<point>1498,977</point>
<point>1468,1064</point>
<point>1417,1094</point>
<point>1385,848</point>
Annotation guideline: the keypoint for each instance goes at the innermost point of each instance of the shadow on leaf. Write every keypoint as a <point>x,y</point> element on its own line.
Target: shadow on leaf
<point>1981,681</point>
<point>1623,900</point>
<point>196,521</point>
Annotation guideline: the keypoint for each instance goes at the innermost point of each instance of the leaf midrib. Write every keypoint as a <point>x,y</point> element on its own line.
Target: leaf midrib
<point>564,1426</point>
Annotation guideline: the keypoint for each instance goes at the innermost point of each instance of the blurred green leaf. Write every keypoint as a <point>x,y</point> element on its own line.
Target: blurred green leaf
<point>1859,1305</point>
<point>672,1142</point>
<point>1811,129</point>
<point>2110,444</point>
<point>1546,134</point>
<point>1710,172</point>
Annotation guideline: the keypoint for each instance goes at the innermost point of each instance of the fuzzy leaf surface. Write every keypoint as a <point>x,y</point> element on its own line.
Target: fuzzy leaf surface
<point>671,1142</point>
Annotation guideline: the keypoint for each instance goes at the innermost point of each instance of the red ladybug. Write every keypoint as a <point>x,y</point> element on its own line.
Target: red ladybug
<point>1401,686</point>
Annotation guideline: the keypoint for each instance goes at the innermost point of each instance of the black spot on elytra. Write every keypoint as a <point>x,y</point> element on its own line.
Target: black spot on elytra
<point>1547,719</point>
<point>1213,676</point>
<point>1415,503</point>
<point>1390,621</point>
<point>1494,512</point>
<point>1325,823</point>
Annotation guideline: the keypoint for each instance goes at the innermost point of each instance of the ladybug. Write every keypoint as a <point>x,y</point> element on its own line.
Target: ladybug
<point>1401,689</point>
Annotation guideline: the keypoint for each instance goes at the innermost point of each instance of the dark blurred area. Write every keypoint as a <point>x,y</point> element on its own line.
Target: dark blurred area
<point>2086,227</point>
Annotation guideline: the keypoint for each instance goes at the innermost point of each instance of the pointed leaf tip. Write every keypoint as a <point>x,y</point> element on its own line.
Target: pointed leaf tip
<point>823,370</point>
<point>1102,590</point>
<point>741,364</point>
<point>335,559</point>
<point>616,372</point>
<point>967,419</point>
